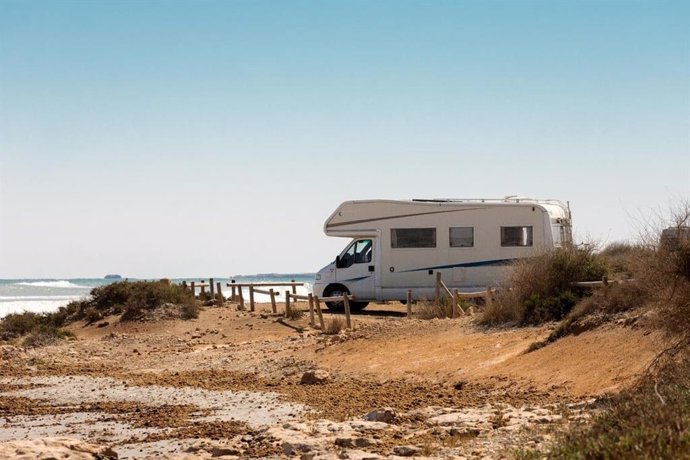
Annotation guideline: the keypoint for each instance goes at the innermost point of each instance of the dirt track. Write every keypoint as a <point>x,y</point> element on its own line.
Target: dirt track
<point>229,384</point>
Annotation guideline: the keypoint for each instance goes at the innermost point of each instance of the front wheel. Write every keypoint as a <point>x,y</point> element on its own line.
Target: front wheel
<point>338,290</point>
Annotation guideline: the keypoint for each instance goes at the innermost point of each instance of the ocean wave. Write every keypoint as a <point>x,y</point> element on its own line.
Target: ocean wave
<point>10,298</point>
<point>52,284</point>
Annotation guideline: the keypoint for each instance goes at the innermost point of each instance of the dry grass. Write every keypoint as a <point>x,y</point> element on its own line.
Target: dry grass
<point>651,420</point>
<point>334,325</point>
<point>539,288</point>
<point>427,309</point>
<point>293,313</point>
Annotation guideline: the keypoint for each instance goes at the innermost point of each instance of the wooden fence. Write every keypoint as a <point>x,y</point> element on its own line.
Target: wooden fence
<point>214,289</point>
<point>237,296</point>
<point>456,297</point>
<point>600,284</point>
<point>315,306</point>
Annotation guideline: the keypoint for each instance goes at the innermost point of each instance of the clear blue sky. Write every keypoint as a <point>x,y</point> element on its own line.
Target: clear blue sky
<point>197,138</point>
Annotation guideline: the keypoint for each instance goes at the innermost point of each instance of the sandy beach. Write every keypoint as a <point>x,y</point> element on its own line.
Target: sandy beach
<point>239,384</point>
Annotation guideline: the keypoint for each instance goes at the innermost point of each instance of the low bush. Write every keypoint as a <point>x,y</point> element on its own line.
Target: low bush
<point>539,288</point>
<point>38,329</point>
<point>19,324</point>
<point>134,299</point>
<point>189,310</point>
<point>591,312</point>
<point>45,335</point>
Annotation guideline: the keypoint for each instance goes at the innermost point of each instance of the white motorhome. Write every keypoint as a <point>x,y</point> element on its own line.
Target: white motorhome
<point>400,245</point>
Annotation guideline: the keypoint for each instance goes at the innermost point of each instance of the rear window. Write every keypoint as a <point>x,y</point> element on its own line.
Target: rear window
<point>413,237</point>
<point>516,236</point>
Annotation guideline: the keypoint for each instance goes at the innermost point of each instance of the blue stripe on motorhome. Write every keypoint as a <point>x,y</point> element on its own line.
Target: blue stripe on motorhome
<point>358,279</point>
<point>482,263</point>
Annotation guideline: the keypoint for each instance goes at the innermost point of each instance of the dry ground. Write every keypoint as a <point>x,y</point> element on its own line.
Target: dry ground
<point>228,385</point>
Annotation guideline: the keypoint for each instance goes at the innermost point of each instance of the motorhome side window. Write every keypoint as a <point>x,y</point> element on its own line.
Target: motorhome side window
<point>413,238</point>
<point>516,236</point>
<point>461,237</point>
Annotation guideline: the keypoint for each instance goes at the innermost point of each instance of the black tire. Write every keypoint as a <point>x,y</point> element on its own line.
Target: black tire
<point>337,290</point>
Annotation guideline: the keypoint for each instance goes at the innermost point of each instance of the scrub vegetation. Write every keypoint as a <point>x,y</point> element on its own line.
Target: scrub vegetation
<point>540,287</point>
<point>652,418</point>
<point>134,300</point>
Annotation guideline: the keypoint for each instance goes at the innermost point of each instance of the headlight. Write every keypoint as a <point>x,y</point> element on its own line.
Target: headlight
<point>318,276</point>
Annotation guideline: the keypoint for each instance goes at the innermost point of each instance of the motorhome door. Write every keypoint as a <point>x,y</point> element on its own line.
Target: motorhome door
<point>356,268</point>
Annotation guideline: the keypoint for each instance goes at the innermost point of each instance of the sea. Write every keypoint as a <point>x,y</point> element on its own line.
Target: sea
<point>47,295</point>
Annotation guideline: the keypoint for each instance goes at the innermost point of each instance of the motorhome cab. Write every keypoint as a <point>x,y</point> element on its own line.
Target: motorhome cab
<point>400,245</point>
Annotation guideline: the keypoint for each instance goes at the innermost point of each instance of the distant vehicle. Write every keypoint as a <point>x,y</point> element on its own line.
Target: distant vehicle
<point>112,277</point>
<point>400,245</point>
<point>673,237</point>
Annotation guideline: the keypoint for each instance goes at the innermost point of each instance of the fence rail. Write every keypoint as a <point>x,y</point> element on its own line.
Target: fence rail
<point>599,284</point>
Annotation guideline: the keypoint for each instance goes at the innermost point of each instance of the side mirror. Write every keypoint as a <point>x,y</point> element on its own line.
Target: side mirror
<point>337,261</point>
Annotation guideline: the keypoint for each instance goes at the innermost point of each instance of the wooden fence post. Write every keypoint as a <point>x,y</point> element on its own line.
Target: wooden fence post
<point>193,293</point>
<point>311,309</point>
<point>409,303</point>
<point>220,294</point>
<point>317,305</point>
<point>251,298</point>
<point>488,298</point>
<point>348,321</point>
<point>233,294</point>
<point>294,288</point>
<point>203,288</point>
<point>455,303</point>
<point>241,296</point>
<point>211,288</point>
<point>287,303</point>
<point>438,288</point>
<point>273,300</point>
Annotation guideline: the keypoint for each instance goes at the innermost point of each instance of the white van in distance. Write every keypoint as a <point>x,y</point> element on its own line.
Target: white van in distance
<point>400,245</point>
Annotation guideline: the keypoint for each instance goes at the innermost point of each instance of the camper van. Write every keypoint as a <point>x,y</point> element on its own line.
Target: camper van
<point>400,245</point>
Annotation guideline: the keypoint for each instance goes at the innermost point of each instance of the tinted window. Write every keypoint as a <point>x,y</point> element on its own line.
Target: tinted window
<point>359,252</point>
<point>413,238</point>
<point>461,237</point>
<point>516,236</point>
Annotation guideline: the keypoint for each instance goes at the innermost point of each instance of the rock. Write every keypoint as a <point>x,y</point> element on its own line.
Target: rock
<point>196,336</point>
<point>103,324</point>
<point>352,442</point>
<point>406,451</point>
<point>385,415</point>
<point>222,451</point>
<point>294,448</point>
<point>315,377</point>
<point>459,385</point>
<point>62,448</point>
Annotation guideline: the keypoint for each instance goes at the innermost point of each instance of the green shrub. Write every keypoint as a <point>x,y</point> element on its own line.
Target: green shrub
<point>190,310</point>
<point>37,328</point>
<point>540,288</point>
<point>18,324</point>
<point>134,299</point>
<point>593,311</point>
